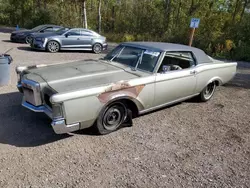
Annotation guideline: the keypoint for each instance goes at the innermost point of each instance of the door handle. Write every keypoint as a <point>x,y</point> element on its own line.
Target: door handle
<point>193,72</point>
<point>78,38</point>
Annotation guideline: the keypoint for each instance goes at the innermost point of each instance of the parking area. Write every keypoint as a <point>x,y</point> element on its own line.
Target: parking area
<point>190,144</point>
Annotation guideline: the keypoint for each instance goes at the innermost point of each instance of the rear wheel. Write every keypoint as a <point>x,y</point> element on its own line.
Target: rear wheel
<point>97,48</point>
<point>53,46</point>
<point>111,118</point>
<point>208,92</point>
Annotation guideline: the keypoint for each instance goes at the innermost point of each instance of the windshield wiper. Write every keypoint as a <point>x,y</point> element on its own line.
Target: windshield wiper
<point>116,55</point>
<point>138,62</point>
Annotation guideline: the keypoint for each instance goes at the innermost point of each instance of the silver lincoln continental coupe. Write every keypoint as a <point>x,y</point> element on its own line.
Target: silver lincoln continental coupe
<point>133,79</point>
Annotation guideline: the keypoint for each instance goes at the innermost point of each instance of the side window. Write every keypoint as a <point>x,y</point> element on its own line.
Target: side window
<point>86,33</point>
<point>74,32</point>
<point>47,30</point>
<point>177,61</point>
<point>56,28</point>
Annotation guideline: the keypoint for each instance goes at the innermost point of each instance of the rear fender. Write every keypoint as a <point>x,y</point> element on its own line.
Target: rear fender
<point>218,79</point>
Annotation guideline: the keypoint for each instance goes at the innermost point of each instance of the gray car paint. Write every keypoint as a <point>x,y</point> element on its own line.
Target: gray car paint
<point>15,35</point>
<point>70,42</point>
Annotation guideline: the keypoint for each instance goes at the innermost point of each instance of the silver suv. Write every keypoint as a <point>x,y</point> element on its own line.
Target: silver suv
<point>69,39</point>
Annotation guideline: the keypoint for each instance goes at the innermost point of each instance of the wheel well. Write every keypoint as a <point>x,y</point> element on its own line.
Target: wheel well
<point>53,41</point>
<point>131,105</point>
<point>96,43</point>
<point>217,82</point>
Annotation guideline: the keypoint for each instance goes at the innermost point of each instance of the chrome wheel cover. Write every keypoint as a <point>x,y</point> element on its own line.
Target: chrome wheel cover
<point>53,46</point>
<point>209,90</point>
<point>97,48</point>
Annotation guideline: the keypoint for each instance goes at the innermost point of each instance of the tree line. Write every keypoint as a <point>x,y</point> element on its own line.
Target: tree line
<point>224,29</point>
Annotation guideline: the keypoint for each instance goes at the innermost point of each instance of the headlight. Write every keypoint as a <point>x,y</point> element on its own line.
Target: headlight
<point>20,34</point>
<point>20,69</point>
<point>57,111</point>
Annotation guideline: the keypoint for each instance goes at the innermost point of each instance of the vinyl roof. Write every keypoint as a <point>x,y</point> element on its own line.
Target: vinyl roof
<point>200,55</point>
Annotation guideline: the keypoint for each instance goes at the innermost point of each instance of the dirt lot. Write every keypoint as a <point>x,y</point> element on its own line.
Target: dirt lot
<point>186,145</point>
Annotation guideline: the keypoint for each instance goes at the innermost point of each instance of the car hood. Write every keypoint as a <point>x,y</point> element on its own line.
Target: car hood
<point>78,75</point>
<point>44,35</point>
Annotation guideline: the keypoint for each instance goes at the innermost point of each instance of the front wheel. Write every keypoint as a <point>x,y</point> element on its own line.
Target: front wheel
<point>53,46</point>
<point>28,39</point>
<point>97,48</point>
<point>111,118</point>
<point>208,92</point>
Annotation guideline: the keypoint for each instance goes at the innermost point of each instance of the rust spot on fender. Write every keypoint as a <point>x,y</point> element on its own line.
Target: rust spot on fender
<point>118,86</point>
<point>120,89</point>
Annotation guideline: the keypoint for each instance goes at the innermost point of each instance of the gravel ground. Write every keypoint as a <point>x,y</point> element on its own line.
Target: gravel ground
<point>190,144</point>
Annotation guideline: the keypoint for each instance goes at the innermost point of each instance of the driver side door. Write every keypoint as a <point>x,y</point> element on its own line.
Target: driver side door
<point>173,84</point>
<point>71,39</point>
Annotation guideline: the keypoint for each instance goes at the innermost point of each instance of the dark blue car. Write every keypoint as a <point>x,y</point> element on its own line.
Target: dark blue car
<point>24,36</point>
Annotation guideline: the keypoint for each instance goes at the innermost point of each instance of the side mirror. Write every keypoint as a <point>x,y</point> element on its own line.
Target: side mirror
<point>42,31</point>
<point>66,35</point>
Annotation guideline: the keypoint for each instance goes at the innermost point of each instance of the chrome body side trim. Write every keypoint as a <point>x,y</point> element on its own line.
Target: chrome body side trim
<point>61,97</point>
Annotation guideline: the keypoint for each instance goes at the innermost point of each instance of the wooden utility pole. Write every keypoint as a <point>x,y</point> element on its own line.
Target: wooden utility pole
<point>193,25</point>
<point>99,17</point>
<point>191,36</point>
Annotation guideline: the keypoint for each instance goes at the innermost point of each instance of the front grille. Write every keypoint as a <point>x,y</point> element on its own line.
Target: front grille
<point>13,34</point>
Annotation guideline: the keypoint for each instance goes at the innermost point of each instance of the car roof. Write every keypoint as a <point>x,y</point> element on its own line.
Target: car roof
<point>84,29</point>
<point>200,55</point>
<point>51,25</point>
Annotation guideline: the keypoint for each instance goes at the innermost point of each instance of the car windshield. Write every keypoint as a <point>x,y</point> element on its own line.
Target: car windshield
<point>62,30</point>
<point>136,58</point>
<point>37,28</point>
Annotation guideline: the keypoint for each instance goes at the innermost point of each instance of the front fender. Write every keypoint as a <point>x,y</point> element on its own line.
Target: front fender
<point>137,103</point>
<point>52,39</point>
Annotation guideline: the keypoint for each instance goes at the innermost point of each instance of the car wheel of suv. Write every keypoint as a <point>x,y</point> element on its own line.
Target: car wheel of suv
<point>53,46</point>
<point>208,92</point>
<point>111,118</point>
<point>97,48</point>
<point>28,39</point>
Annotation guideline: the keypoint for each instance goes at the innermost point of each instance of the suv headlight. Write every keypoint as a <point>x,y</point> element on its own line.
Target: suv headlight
<point>57,111</point>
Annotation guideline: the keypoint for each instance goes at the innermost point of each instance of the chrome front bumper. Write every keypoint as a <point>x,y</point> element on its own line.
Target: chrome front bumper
<point>58,125</point>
